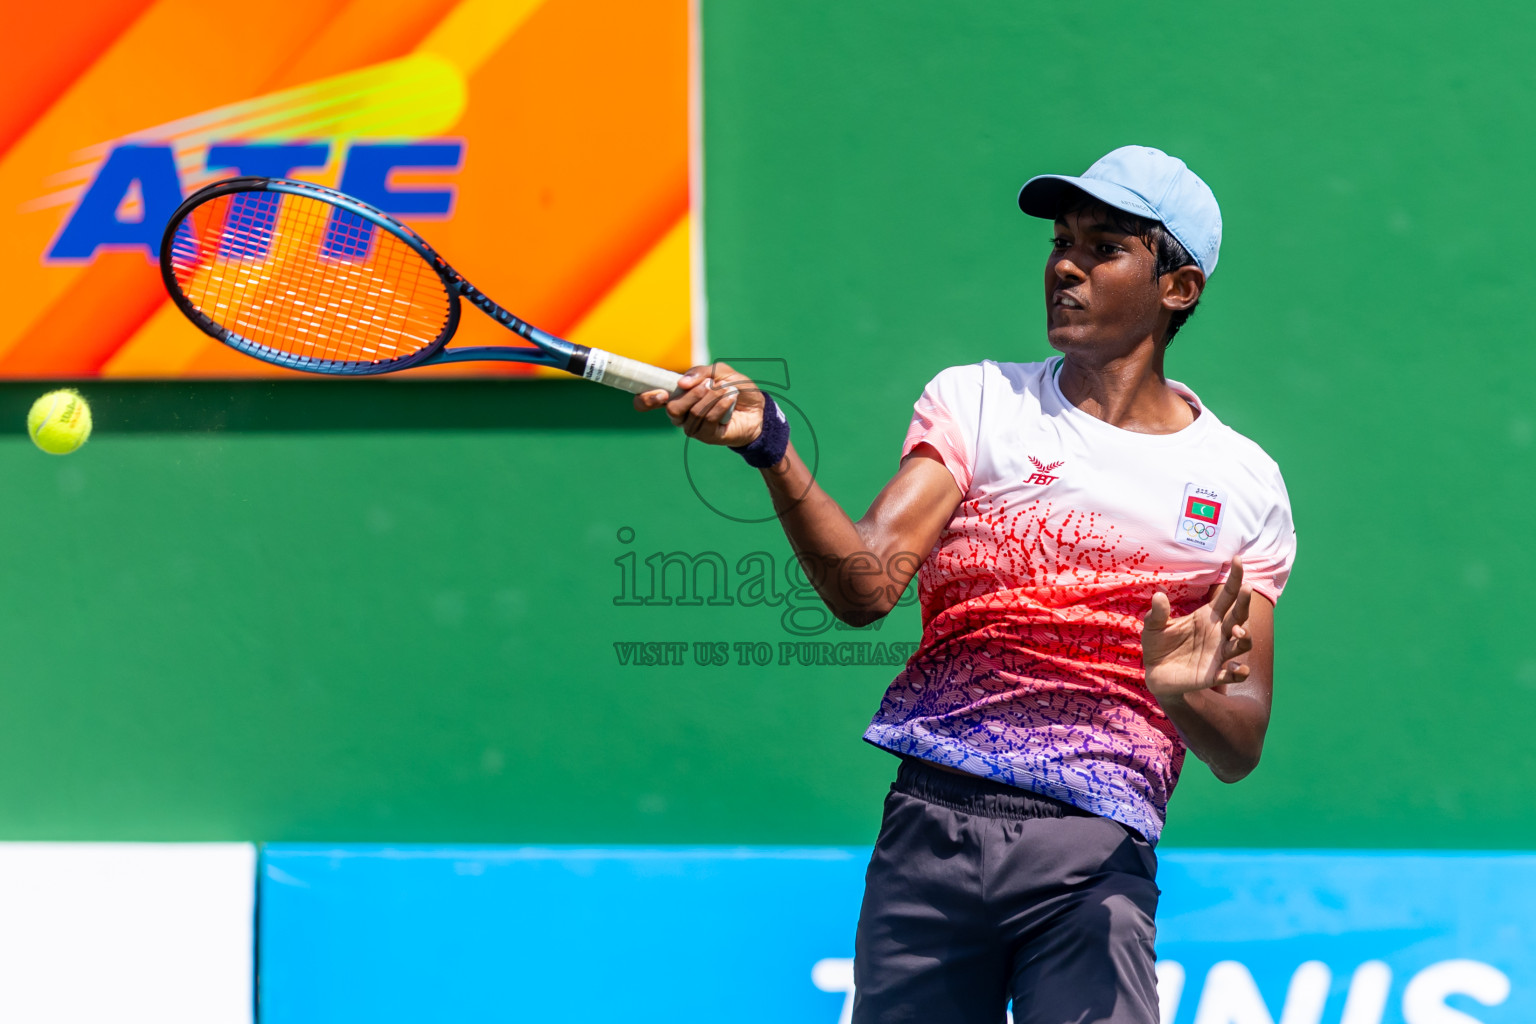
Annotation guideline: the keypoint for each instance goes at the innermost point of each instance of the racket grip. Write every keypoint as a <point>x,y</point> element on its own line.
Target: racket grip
<point>628,374</point>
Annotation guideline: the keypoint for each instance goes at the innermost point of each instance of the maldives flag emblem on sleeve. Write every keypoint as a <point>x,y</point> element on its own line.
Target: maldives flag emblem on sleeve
<point>1200,517</point>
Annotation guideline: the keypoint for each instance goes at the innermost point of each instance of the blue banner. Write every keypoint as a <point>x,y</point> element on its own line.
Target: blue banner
<point>1347,938</point>
<point>549,934</point>
<point>413,934</point>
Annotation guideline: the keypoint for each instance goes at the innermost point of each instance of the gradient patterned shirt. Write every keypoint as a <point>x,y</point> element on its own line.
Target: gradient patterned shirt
<point>1029,670</point>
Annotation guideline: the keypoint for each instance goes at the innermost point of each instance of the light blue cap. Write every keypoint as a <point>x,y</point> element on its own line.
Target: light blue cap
<point>1146,182</point>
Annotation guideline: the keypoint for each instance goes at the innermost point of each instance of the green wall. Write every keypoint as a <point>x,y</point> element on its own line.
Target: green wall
<point>385,611</point>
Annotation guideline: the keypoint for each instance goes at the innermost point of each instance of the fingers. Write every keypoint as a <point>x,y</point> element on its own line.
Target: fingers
<point>1231,590</point>
<point>1157,615</point>
<point>1236,640</point>
<point>704,402</point>
<point>695,389</point>
<point>1232,672</point>
<point>722,373</point>
<point>713,411</point>
<point>1239,611</point>
<point>705,405</point>
<point>728,406</point>
<point>1234,611</point>
<point>692,386</point>
<point>649,400</point>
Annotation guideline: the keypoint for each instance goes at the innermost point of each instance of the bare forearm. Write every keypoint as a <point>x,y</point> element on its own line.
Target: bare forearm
<point>847,561</point>
<point>1225,730</point>
<point>859,568</point>
<point>813,522</point>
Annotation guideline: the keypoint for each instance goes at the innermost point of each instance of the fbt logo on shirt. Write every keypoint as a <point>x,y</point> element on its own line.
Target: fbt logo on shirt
<point>1200,517</point>
<point>1042,474</point>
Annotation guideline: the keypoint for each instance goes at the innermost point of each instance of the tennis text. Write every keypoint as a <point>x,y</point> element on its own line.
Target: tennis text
<point>1231,996</point>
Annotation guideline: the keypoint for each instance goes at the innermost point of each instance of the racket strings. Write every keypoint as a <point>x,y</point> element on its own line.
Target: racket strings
<point>308,280</point>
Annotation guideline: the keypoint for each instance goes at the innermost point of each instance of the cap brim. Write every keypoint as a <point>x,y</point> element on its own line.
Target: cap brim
<point>1046,195</point>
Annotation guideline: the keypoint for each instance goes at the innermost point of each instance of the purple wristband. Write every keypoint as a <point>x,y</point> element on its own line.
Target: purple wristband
<point>769,448</point>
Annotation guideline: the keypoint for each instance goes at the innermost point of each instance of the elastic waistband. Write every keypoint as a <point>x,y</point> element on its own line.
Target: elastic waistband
<point>971,794</point>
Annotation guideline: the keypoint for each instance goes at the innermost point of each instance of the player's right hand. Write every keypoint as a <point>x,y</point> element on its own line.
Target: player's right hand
<point>717,406</point>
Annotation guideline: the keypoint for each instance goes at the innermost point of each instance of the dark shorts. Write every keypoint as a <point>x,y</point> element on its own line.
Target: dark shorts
<point>979,892</point>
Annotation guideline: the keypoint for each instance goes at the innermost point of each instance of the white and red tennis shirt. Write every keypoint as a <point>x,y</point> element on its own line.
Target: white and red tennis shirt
<point>1029,670</point>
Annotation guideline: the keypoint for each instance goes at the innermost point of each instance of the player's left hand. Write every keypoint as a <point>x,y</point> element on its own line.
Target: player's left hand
<point>1198,651</point>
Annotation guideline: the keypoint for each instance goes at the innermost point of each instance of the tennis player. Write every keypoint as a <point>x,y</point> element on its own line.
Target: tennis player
<point>1099,561</point>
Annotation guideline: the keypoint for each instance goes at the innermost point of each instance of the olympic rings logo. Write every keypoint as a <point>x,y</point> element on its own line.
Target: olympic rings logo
<point>1198,531</point>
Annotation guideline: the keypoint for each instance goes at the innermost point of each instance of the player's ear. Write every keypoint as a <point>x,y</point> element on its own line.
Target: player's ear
<point>1181,288</point>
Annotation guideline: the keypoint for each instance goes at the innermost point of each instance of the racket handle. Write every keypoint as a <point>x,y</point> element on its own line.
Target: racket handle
<point>628,374</point>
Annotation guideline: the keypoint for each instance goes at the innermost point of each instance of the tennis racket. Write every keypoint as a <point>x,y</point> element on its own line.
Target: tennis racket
<point>308,278</point>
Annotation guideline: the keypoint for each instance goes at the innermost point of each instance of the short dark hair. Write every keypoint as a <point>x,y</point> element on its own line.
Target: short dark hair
<point>1170,254</point>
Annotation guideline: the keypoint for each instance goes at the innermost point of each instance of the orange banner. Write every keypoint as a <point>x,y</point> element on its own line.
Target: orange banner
<point>542,146</point>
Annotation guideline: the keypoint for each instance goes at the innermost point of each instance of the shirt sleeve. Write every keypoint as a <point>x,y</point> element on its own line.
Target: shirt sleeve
<point>1267,559</point>
<point>947,417</point>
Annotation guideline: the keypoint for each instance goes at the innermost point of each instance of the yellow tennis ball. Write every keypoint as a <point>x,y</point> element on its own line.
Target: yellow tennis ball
<point>59,422</point>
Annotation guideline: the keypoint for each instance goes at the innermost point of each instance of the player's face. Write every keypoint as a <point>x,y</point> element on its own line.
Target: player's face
<point>1102,298</point>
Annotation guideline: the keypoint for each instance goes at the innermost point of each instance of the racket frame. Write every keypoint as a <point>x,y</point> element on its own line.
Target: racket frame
<point>546,349</point>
